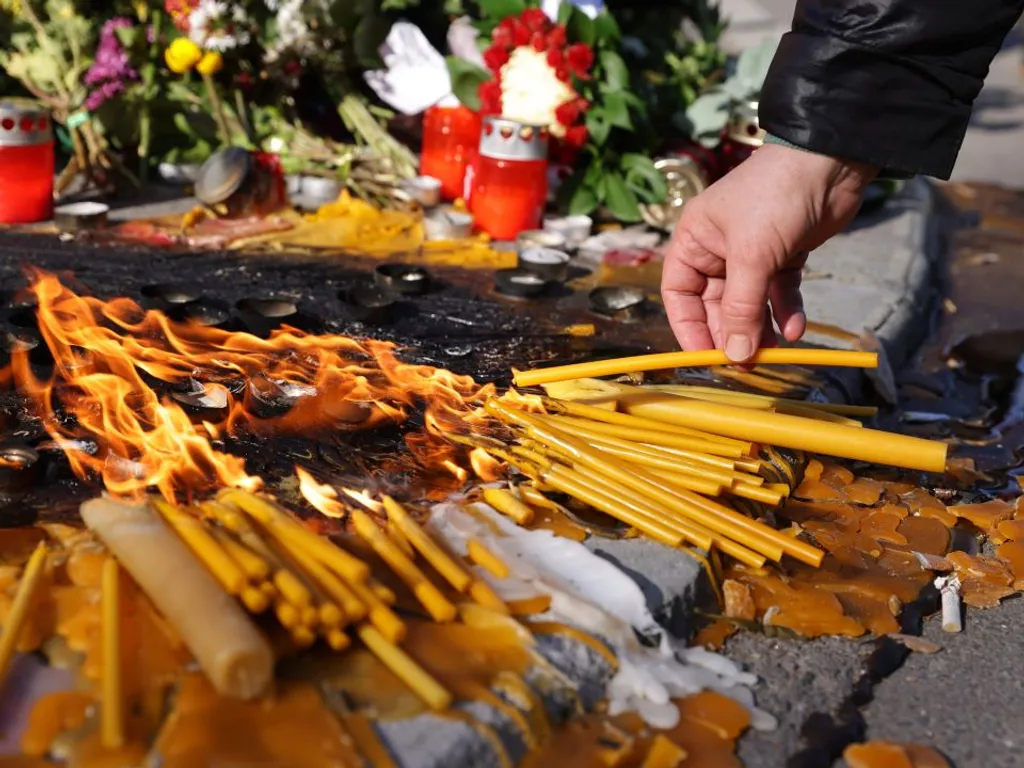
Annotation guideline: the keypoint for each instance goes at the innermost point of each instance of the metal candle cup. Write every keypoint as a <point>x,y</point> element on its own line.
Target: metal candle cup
<point>404,279</point>
<point>619,302</point>
<point>18,468</point>
<point>263,315</point>
<point>26,162</point>
<point>209,313</point>
<point>519,283</point>
<point>423,190</point>
<point>509,178</point>
<point>368,304</point>
<point>540,238</point>
<point>78,217</point>
<point>546,263</point>
<point>163,296</point>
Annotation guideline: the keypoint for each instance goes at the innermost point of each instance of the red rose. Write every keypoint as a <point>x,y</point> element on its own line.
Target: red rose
<point>535,20</point>
<point>556,37</point>
<point>502,35</point>
<point>577,136</point>
<point>562,73</point>
<point>568,113</point>
<point>520,34</point>
<point>489,93</point>
<point>580,58</point>
<point>538,42</point>
<point>556,59</point>
<point>495,57</point>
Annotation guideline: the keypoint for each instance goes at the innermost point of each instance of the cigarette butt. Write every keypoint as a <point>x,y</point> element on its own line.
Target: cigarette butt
<point>949,589</point>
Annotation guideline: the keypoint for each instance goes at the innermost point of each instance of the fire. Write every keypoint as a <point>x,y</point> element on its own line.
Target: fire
<point>323,498</point>
<point>485,466</point>
<point>125,381</point>
<point>365,499</point>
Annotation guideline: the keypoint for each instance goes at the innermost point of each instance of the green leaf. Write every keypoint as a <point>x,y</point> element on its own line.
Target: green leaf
<point>607,29</point>
<point>580,27</point>
<point>598,125</point>
<point>466,79</point>
<point>646,181</point>
<point>616,73</point>
<point>501,9</point>
<point>583,201</point>
<point>127,36</point>
<point>620,199</point>
<point>565,12</point>
<point>616,110</point>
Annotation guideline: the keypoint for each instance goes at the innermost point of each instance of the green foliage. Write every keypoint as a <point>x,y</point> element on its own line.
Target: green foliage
<point>466,79</point>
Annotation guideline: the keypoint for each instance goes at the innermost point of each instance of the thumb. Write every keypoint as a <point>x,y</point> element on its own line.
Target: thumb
<point>743,308</point>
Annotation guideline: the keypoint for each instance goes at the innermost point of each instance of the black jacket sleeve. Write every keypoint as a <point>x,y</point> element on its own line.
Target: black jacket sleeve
<point>886,82</point>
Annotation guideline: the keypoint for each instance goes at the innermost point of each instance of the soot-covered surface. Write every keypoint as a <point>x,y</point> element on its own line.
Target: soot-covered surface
<point>459,324</point>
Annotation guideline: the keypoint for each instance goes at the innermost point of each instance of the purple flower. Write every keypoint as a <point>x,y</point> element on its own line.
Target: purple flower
<point>111,70</point>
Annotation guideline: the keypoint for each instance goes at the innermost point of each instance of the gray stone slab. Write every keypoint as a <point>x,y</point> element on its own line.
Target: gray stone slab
<point>673,582</point>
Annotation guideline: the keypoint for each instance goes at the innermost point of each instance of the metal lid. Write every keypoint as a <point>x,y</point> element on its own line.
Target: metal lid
<point>685,180</point>
<point>24,123</point>
<point>503,139</point>
<point>743,126</point>
<point>222,175</point>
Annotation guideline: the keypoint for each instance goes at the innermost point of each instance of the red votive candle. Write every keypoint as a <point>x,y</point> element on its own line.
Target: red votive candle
<point>510,178</point>
<point>743,135</point>
<point>450,136</point>
<point>26,162</point>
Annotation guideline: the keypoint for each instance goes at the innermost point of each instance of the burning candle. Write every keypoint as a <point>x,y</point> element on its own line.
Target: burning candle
<point>509,178</point>
<point>450,135</point>
<point>26,163</point>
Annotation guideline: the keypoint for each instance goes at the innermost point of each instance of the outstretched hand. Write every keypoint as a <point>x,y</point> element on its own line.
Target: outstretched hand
<point>737,253</point>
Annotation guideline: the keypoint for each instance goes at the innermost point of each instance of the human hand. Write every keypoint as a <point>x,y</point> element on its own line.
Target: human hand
<point>742,243</point>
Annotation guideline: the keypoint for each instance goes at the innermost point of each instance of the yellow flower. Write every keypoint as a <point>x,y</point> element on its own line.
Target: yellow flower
<point>211,63</point>
<point>181,55</point>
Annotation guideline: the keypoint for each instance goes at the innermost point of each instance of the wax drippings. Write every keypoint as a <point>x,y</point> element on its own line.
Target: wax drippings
<point>884,754</point>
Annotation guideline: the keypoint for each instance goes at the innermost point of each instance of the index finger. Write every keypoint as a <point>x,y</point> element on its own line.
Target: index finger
<point>682,287</point>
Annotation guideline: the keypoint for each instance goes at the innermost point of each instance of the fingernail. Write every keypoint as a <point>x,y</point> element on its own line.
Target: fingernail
<point>739,349</point>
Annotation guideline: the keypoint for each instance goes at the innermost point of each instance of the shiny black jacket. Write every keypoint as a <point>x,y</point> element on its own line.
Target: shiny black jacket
<point>886,82</point>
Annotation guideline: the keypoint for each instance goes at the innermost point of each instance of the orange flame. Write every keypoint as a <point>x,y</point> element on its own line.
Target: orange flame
<point>106,353</point>
<point>364,498</point>
<point>323,498</point>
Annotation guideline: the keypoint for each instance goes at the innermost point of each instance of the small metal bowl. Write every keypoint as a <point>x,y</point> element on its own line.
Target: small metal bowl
<point>211,401</point>
<point>519,283</point>
<point>548,263</point>
<point>163,296</point>
<point>368,304</point>
<point>539,238</point>
<point>623,303</point>
<point>78,217</point>
<point>19,466</point>
<point>425,190</point>
<point>405,279</point>
<point>208,313</point>
<point>575,229</point>
<point>263,315</point>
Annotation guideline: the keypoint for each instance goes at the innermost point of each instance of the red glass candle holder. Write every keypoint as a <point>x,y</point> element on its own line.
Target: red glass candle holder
<point>450,136</point>
<point>743,135</point>
<point>26,163</point>
<point>509,178</point>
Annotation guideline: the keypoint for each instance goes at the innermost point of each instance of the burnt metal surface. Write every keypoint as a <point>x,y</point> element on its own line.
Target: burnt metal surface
<point>461,324</point>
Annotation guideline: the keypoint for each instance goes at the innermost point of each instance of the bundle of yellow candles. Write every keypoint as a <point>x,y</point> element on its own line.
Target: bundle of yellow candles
<point>666,460</point>
<point>208,567</point>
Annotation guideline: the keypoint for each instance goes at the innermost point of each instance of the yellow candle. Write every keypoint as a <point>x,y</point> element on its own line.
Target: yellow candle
<point>503,501</point>
<point>19,608</point>
<point>453,573</point>
<point>641,363</point>
<point>793,432</point>
<point>483,557</point>
<point>405,669</point>
<point>111,709</point>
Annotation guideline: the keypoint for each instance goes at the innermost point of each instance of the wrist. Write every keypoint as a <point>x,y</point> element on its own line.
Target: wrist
<point>845,172</point>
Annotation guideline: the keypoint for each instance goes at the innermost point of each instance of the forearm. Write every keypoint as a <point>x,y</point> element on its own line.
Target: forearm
<point>889,83</point>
